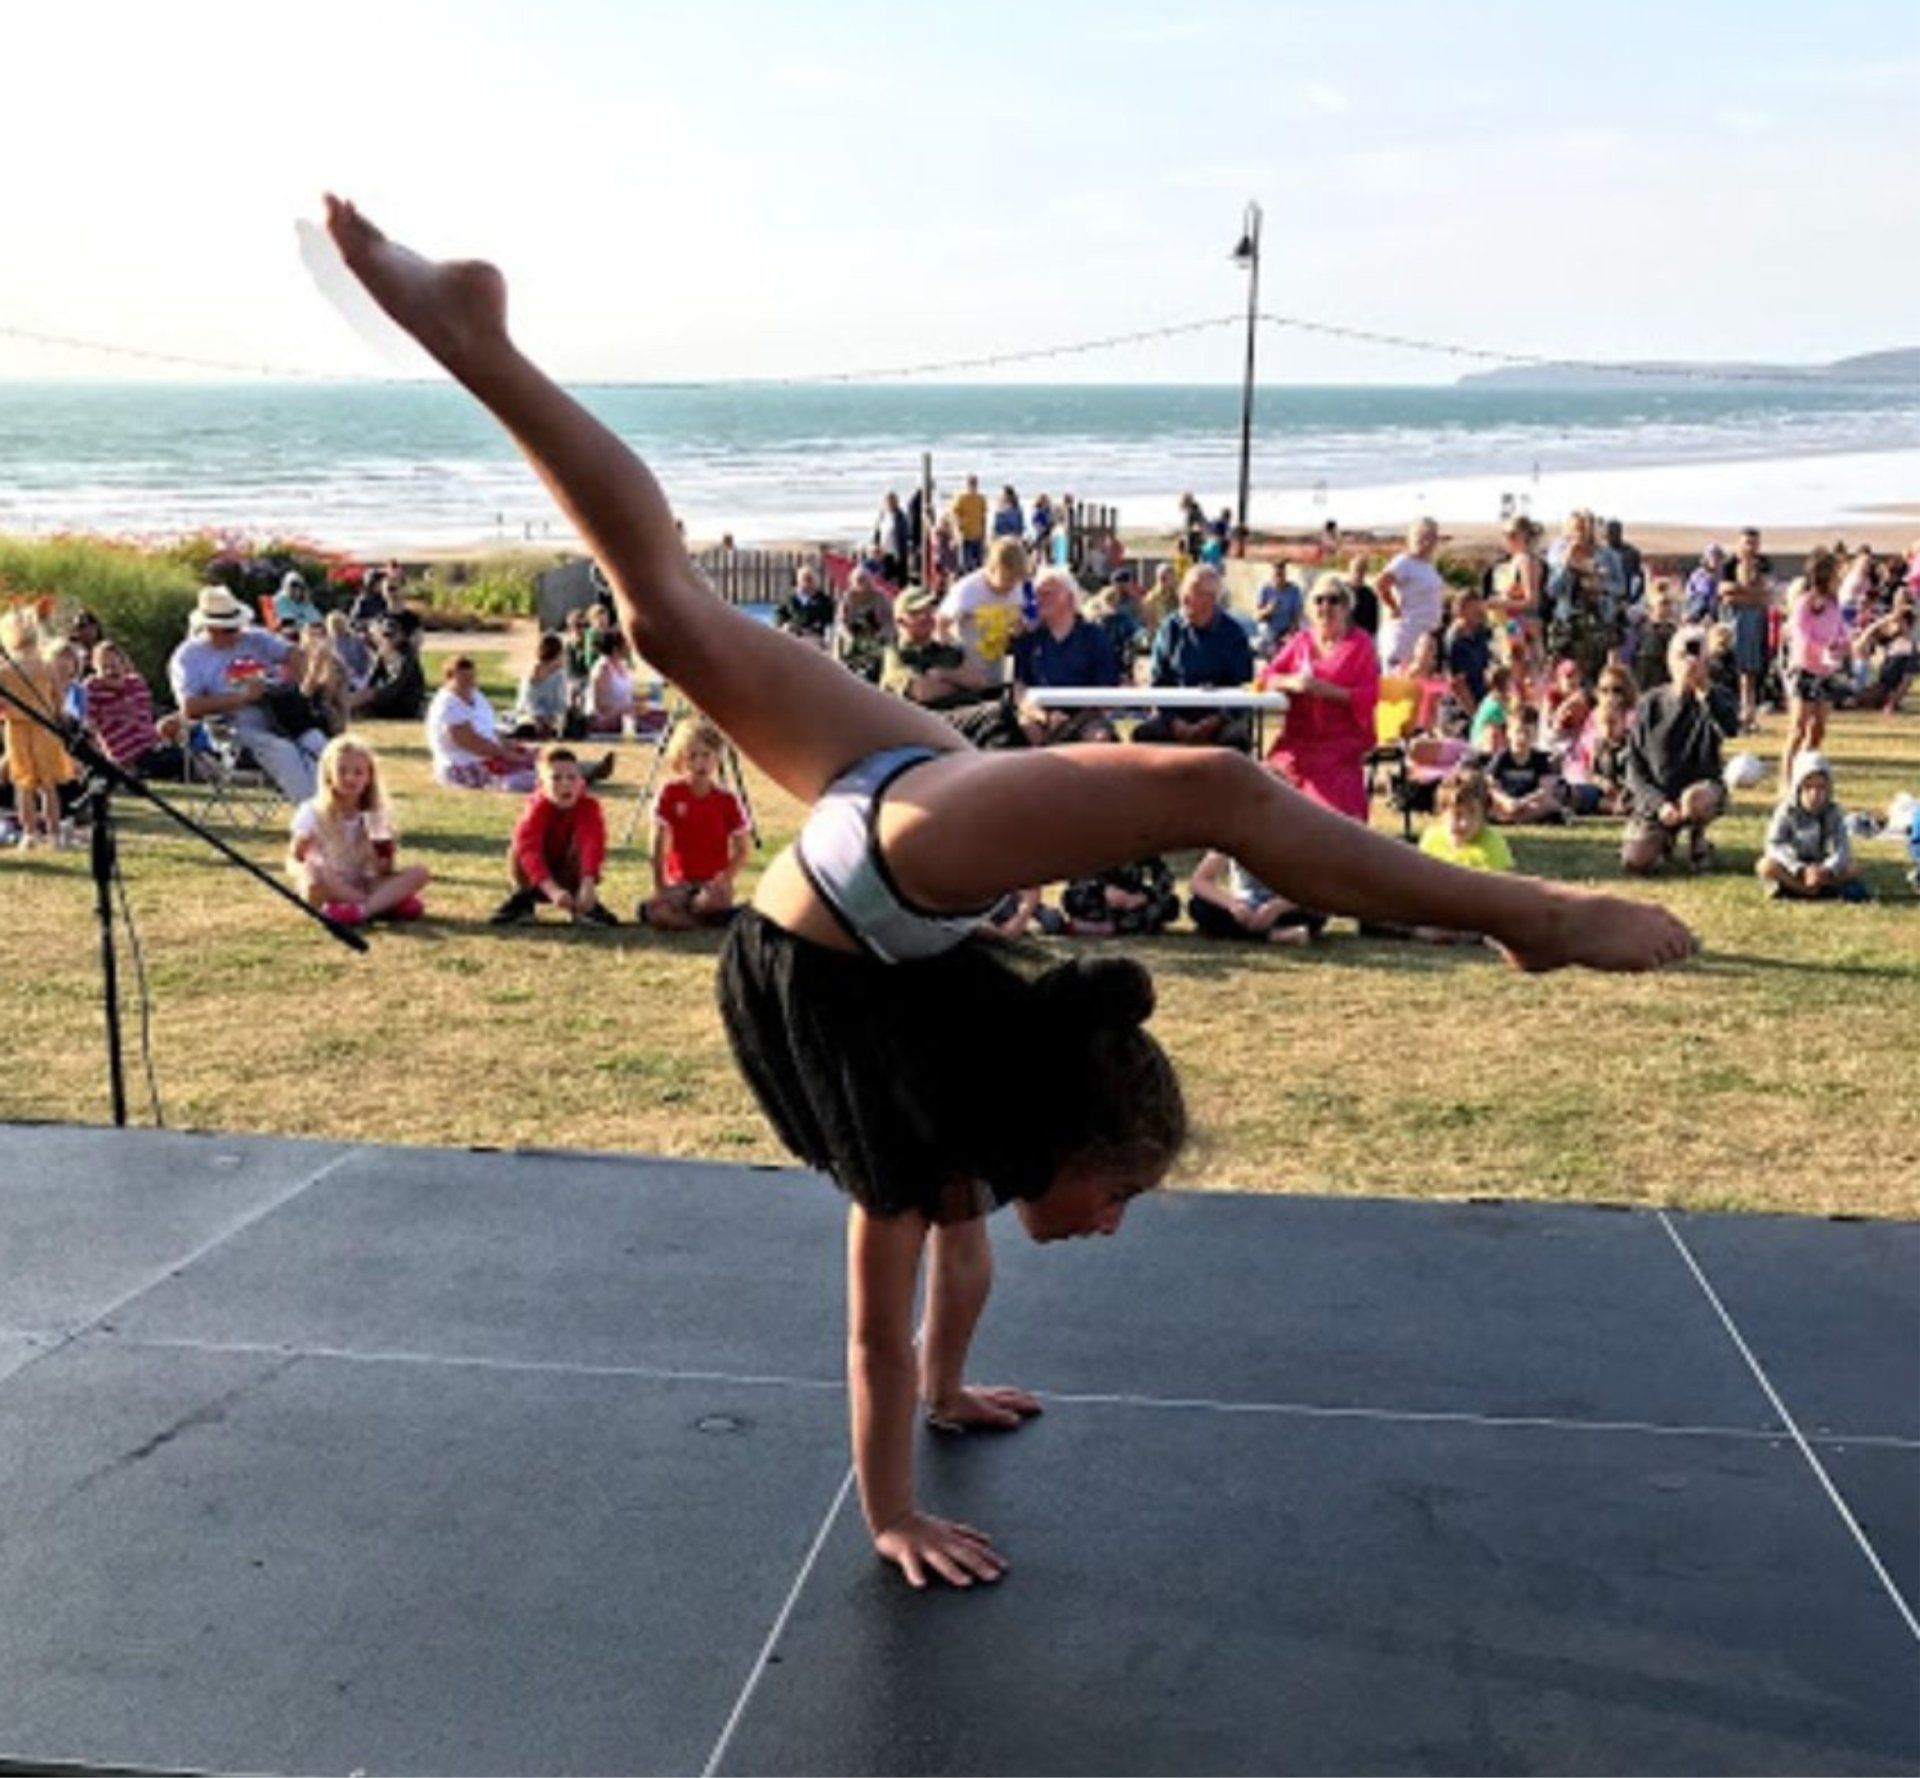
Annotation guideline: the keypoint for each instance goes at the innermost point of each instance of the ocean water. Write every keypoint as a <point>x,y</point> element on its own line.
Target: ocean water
<point>373,465</point>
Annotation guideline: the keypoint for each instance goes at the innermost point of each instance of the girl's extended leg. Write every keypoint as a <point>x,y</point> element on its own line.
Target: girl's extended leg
<point>960,831</point>
<point>799,715</point>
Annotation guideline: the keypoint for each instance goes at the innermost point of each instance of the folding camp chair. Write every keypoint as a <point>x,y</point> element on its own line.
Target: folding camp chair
<point>238,788</point>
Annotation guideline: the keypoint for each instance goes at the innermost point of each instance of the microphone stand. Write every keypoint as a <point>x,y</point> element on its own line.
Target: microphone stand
<point>103,778</point>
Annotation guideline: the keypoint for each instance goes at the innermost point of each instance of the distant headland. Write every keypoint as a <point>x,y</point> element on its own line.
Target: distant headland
<point>1875,369</point>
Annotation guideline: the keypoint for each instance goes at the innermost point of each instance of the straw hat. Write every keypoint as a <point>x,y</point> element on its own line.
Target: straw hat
<point>218,609</point>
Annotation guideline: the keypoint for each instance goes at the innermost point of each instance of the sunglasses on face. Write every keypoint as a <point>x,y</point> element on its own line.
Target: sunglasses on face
<point>1329,599</point>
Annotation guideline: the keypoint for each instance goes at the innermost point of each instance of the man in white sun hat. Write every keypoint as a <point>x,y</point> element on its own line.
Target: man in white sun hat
<point>230,667</point>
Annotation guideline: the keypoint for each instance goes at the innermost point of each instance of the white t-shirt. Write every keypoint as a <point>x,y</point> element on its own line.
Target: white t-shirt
<point>447,711</point>
<point>1422,591</point>
<point>984,622</point>
<point>348,848</point>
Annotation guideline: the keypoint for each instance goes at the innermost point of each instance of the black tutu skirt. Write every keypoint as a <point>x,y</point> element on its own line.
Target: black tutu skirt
<point>916,1085</point>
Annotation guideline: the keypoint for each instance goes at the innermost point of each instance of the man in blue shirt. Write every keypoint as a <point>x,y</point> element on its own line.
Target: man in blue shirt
<point>1281,609</point>
<point>1063,649</point>
<point>1200,645</point>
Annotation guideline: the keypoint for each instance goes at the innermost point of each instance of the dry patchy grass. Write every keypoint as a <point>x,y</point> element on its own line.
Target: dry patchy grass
<point>1773,1074</point>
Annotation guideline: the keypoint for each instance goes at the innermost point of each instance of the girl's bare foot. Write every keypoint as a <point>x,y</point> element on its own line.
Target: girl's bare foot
<point>450,306</point>
<point>1599,932</point>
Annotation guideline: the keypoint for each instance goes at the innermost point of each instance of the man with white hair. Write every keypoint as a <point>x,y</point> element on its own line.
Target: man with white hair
<point>1062,649</point>
<point>1413,597</point>
<point>229,667</point>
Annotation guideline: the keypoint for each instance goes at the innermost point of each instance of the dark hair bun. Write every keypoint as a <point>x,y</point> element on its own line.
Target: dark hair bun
<point>1111,992</point>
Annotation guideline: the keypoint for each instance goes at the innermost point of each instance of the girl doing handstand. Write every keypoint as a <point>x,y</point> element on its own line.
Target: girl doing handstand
<point>889,1045</point>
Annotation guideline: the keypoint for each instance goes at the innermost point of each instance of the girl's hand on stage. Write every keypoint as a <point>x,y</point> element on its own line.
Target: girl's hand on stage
<point>922,1544</point>
<point>998,1408</point>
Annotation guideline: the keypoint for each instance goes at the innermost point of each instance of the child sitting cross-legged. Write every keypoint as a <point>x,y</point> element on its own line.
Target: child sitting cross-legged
<point>700,835</point>
<point>1226,900</point>
<point>342,851</point>
<point>1463,834</point>
<point>1807,856</point>
<point>559,846</point>
<point>1523,782</point>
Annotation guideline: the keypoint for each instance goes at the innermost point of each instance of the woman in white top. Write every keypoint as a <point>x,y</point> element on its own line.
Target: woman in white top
<point>610,693</point>
<point>1413,596</point>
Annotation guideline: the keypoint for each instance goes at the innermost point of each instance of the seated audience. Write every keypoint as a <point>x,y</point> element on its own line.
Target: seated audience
<point>917,665</point>
<point>1523,783</point>
<point>1594,767</point>
<point>1331,676</point>
<point>1807,855</point>
<point>1226,900</point>
<point>559,847</point>
<point>613,699</point>
<point>354,654</point>
<point>1063,649</point>
<point>1200,646</point>
<point>1886,652</point>
<point>119,714</point>
<point>1129,901</point>
<point>1463,833</point>
<point>1673,765</point>
<point>397,691</point>
<point>1652,635</point>
<point>544,709</point>
<point>341,855</point>
<point>464,737</point>
<point>370,603</point>
<point>807,611</point>
<point>1119,610</point>
<point>1467,655</point>
<point>324,680</point>
<point>865,625</point>
<point>1487,733</point>
<point>293,606</point>
<point>700,834</point>
<point>232,668</point>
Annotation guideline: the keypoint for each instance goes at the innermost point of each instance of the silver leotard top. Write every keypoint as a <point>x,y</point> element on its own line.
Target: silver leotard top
<point>839,849</point>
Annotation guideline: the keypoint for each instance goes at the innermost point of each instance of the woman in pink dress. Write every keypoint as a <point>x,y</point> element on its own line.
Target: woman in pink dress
<point>1331,675</point>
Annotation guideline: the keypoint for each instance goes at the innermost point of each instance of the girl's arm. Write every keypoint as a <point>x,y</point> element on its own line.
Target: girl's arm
<point>657,853</point>
<point>883,1384</point>
<point>739,843</point>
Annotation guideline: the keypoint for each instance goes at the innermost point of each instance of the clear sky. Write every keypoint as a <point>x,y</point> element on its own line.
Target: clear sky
<point>712,188</point>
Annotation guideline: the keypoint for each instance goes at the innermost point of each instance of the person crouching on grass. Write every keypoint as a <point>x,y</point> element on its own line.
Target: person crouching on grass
<point>1807,856</point>
<point>559,846</point>
<point>342,855</point>
<point>700,835</point>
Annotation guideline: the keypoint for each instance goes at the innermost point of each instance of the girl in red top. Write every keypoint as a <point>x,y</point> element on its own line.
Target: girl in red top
<point>559,847</point>
<point>699,835</point>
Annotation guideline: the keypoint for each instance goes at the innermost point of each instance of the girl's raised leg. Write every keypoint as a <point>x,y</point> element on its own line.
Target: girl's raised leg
<point>959,832</point>
<point>800,716</point>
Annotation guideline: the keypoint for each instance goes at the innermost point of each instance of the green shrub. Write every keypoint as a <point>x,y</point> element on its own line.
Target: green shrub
<point>142,600</point>
<point>502,585</point>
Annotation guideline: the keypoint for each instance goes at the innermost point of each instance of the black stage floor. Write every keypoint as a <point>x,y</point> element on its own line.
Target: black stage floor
<point>317,1458</point>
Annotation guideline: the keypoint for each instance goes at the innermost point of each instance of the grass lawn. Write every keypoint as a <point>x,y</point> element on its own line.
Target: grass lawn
<point>1775,1073</point>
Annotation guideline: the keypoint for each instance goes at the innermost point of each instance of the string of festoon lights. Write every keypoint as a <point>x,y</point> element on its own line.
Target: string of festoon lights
<point>1415,343</point>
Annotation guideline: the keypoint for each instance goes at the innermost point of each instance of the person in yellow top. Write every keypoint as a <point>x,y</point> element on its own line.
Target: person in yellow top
<point>969,511</point>
<point>1462,834</point>
<point>36,762</point>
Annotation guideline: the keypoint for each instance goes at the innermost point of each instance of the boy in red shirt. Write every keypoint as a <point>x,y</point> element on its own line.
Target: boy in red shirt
<point>699,835</point>
<point>559,845</point>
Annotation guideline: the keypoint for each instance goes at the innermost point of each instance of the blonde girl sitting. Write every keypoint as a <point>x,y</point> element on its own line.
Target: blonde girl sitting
<point>700,834</point>
<point>342,855</point>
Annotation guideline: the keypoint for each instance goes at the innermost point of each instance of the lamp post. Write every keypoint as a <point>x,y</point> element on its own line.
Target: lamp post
<point>1247,253</point>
